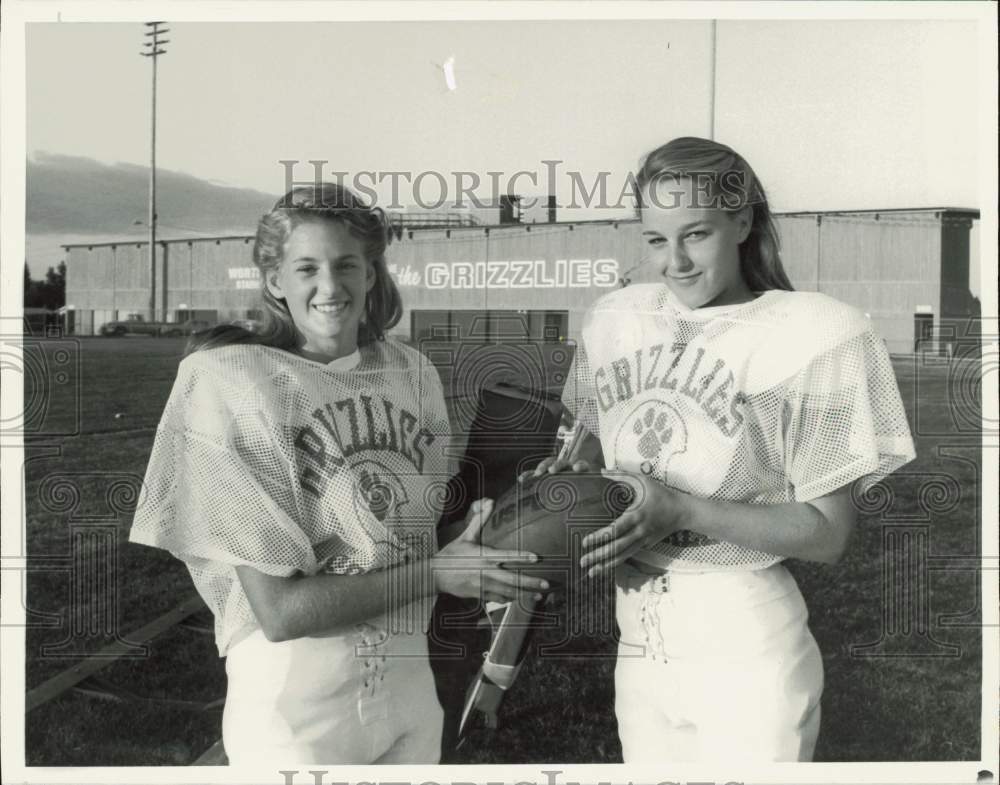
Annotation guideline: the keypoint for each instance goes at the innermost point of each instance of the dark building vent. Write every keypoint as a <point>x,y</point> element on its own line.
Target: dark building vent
<point>510,209</point>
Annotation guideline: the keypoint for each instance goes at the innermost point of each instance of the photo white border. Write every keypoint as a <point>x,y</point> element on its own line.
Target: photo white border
<point>17,13</point>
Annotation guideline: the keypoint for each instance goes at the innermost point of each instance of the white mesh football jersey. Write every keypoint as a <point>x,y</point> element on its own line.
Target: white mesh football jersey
<point>267,459</point>
<point>784,398</point>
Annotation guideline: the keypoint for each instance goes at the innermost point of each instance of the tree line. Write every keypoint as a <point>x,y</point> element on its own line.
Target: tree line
<point>47,293</point>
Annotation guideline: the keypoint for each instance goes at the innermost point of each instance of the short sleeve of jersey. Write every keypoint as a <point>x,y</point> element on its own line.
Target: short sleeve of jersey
<point>579,395</point>
<point>435,412</point>
<point>844,419</point>
<point>218,491</point>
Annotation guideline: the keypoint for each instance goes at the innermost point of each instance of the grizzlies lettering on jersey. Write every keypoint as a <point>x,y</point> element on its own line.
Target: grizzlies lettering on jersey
<point>338,432</point>
<point>713,391</point>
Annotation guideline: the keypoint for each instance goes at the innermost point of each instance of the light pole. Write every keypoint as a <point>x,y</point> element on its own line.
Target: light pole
<point>153,50</point>
<point>711,110</point>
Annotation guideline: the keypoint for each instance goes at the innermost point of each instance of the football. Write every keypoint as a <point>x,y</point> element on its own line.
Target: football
<point>550,515</point>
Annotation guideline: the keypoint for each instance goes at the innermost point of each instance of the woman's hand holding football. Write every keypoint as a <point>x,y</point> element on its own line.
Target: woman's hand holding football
<point>656,512</point>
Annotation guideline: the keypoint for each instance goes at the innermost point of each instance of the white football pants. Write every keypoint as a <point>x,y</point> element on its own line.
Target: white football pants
<point>716,666</point>
<point>365,695</point>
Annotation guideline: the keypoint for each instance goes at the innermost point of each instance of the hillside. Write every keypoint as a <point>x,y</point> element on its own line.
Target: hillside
<point>73,200</point>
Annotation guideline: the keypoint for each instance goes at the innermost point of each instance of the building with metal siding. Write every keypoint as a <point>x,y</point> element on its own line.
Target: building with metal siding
<point>891,264</point>
<point>894,264</point>
<point>799,249</point>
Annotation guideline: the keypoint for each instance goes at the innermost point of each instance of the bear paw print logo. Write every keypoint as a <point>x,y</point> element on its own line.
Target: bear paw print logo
<point>377,493</point>
<point>653,430</point>
<point>650,437</point>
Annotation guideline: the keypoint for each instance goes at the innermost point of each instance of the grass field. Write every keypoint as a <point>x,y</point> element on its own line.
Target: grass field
<point>921,704</point>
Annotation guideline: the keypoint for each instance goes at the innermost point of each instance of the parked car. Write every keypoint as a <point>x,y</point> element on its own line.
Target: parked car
<point>136,324</point>
<point>178,329</point>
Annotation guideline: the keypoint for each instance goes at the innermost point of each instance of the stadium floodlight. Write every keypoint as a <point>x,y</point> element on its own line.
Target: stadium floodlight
<point>711,98</point>
<point>153,50</point>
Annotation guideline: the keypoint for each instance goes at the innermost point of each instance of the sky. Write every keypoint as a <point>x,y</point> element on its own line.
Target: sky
<point>832,114</point>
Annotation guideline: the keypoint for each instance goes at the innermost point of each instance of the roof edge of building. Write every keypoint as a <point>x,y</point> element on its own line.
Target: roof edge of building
<point>969,212</point>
